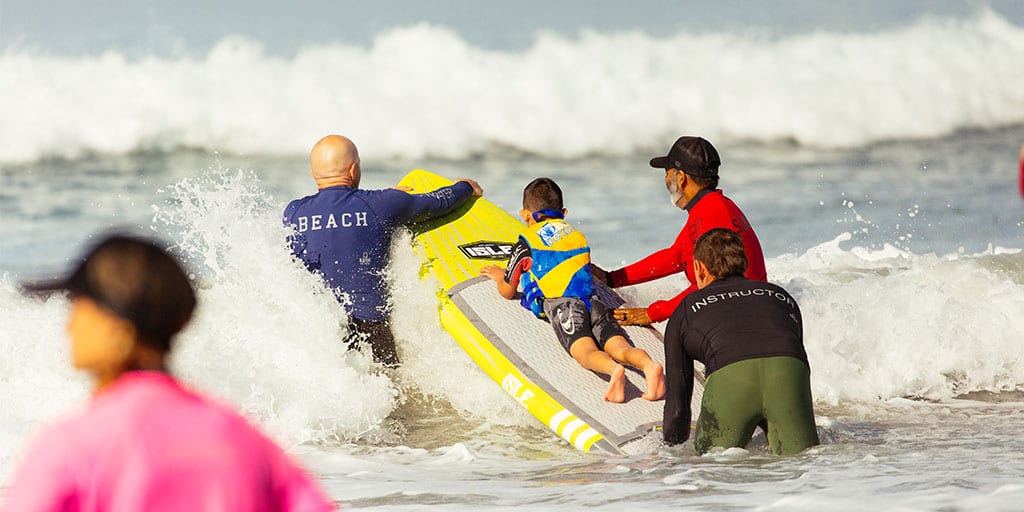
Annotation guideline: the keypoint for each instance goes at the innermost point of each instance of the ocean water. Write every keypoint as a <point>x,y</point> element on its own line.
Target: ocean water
<point>876,161</point>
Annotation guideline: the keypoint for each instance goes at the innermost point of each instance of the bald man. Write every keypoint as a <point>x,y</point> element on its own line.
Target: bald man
<point>344,233</point>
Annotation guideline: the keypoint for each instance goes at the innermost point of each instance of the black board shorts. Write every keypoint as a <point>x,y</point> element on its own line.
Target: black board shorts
<point>571,320</point>
<point>375,334</point>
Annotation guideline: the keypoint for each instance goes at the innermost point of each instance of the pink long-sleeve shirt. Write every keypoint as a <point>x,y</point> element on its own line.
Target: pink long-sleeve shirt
<point>146,443</point>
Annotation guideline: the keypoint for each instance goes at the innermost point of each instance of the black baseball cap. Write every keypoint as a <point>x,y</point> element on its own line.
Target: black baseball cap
<point>135,279</point>
<point>693,155</point>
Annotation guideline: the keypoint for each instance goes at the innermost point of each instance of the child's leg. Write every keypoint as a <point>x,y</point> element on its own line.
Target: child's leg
<point>571,321</point>
<point>618,347</point>
<point>620,350</point>
<point>586,353</point>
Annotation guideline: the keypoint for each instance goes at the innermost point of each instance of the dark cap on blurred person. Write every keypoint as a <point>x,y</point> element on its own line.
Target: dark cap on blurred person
<point>692,155</point>
<point>135,279</point>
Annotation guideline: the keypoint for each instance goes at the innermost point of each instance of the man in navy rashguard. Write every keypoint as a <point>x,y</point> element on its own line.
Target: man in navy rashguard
<point>344,233</point>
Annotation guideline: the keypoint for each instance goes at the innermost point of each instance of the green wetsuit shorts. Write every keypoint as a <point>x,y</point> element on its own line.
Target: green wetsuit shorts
<point>771,392</point>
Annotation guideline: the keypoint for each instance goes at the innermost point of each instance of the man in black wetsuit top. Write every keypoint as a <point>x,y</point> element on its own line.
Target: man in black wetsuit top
<point>749,335</point>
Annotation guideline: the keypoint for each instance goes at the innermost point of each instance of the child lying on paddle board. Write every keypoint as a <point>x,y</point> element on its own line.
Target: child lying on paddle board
<point>552,260</point>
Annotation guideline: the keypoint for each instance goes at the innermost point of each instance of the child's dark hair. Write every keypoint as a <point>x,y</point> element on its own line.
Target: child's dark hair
<point>542,194</point>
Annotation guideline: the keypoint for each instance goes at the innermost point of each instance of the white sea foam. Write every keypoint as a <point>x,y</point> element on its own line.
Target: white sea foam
<point>37,381</point>
<point>888,323</point>
<point>885,319</point>
<point>422,91</point>
<point>432,362</point>
<point>266,336</point>
<point>881,323</point>
<point>943,324</point>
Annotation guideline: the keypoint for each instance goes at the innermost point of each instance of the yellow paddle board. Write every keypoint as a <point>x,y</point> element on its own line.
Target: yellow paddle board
<point>519,351</point>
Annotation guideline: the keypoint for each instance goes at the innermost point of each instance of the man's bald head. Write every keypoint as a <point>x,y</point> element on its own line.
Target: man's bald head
<point>334,161</point>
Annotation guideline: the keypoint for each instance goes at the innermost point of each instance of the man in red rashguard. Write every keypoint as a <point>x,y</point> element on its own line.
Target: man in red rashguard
<point>691,177</point>
<point>1022,170</point>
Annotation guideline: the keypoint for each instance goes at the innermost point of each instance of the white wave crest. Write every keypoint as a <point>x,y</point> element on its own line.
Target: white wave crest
<point>422,91</point>
<point>888,323</point>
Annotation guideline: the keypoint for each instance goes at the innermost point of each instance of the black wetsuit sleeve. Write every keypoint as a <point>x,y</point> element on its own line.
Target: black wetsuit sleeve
<point>520,252</point>
<point>678,383</point>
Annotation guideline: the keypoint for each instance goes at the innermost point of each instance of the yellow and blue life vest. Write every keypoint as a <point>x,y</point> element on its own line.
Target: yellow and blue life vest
<point>561,264</point>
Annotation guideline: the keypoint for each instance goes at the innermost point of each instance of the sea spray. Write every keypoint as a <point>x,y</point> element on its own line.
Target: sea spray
<point>887,323</point>
<point>433,363</point>
<point>36,378</point>
<point>268,334</point>
<point>281,328</point>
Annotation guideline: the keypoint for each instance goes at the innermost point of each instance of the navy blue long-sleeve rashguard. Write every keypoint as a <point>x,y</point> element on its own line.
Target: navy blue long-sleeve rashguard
<point>345,233</point>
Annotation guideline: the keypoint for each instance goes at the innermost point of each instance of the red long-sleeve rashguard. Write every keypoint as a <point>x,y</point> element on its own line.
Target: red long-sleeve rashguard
<point>709,210</point>
<point>1022,174</point>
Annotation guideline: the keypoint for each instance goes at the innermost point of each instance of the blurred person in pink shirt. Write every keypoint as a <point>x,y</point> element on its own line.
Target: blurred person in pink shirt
<point>145,442</point>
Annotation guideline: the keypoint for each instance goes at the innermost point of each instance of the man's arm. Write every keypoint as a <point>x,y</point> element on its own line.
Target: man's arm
<point>420,207</point>
<point>659,264</point>
<point>678,385</point>
<point>660,310</point>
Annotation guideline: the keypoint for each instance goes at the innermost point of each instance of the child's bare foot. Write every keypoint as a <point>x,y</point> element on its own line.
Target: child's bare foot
<point>655,377</point>
<point>617,386</point>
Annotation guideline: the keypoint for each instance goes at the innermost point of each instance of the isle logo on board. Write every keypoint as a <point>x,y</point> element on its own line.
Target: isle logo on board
<point>486,250</point>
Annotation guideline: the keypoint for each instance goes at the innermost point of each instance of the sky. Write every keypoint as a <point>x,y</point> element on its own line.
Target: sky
<point>140,27</point>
